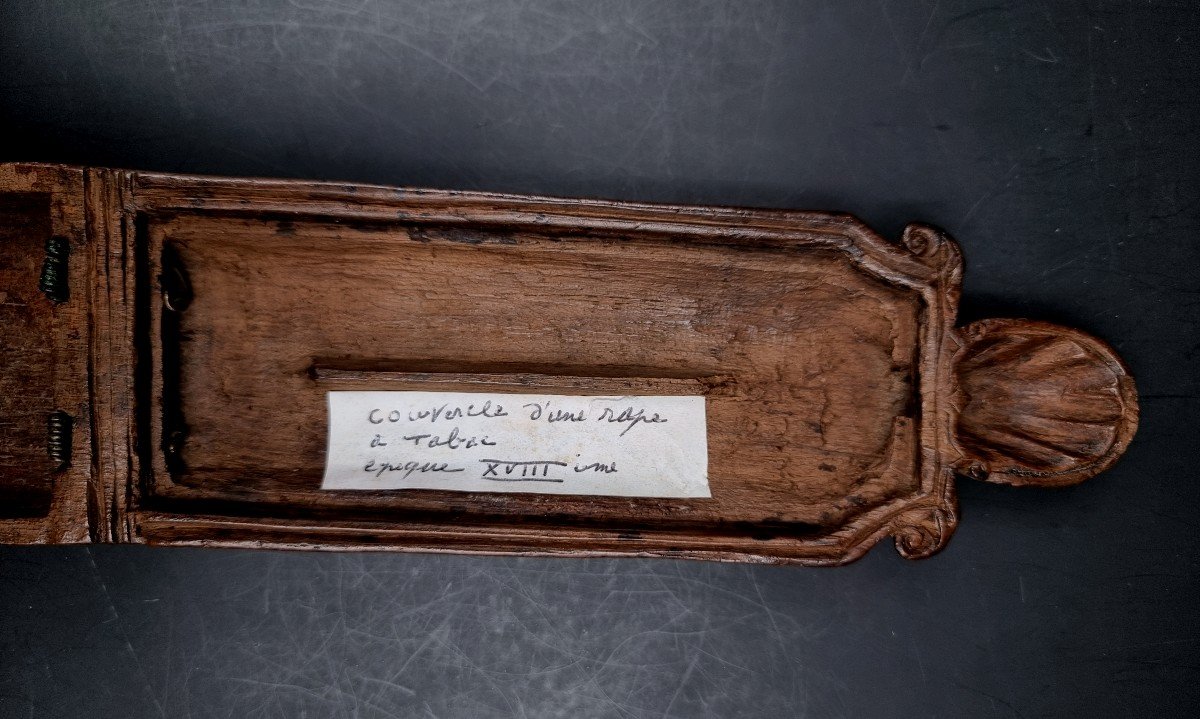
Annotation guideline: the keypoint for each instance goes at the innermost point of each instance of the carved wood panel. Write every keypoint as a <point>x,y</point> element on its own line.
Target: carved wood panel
<point>840,398</point>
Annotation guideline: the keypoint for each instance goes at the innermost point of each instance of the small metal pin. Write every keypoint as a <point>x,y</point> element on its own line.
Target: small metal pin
<point>59,428</point>
<point>53,281</point>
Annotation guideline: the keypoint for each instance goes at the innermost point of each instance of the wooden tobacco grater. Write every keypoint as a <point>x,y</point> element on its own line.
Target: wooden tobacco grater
<point>169,342</point>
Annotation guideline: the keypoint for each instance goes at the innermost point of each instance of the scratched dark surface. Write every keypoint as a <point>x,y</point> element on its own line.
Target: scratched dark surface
<point>1056,141</point>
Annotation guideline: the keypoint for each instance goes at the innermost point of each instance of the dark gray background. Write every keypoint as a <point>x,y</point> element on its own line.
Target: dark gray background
<point>1056,140</point>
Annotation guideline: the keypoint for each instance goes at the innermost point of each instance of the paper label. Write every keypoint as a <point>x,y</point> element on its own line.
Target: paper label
<point>549,444</point>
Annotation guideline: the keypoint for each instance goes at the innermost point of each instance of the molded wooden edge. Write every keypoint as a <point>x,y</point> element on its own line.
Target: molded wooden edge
<point>927,522</point>
<point>925,261</point>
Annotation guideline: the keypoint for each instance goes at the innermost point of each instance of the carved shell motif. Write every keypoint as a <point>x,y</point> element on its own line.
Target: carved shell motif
<point>1041,404</point>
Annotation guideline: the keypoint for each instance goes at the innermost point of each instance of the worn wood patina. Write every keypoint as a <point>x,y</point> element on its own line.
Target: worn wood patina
<point>169,342</point>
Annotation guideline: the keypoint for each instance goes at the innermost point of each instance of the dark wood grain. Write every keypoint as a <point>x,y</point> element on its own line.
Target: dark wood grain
<point>43,357</point>
<point>841,399</point>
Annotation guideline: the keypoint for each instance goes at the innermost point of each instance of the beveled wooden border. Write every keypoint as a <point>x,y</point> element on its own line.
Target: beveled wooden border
<point>926,262</point>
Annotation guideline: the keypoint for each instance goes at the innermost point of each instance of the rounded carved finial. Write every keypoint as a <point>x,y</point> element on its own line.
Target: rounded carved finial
<point>1041,404</point>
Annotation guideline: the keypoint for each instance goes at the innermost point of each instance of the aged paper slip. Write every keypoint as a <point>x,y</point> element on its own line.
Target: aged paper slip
<point>633,446</point>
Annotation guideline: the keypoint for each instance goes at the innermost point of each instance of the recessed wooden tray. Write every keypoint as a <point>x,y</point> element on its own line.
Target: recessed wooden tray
<point>166,383</point>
